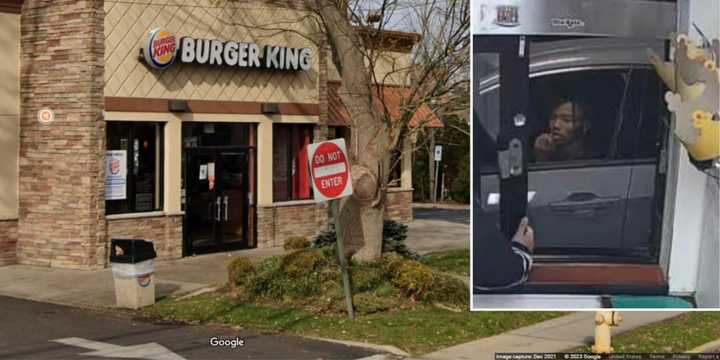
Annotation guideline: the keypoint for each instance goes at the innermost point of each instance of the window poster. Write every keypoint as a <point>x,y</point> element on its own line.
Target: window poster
<point>211,176</point>
<point>116,175</point>
<point>203,171</point>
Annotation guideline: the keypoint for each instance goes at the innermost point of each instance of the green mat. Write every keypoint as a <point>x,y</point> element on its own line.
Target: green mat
<point>649,302</point>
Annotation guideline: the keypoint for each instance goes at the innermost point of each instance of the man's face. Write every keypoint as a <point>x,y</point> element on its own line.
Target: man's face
<point>565,124</point>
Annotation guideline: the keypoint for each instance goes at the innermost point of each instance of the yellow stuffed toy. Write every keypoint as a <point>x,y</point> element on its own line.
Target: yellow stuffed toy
<point>694,81</point>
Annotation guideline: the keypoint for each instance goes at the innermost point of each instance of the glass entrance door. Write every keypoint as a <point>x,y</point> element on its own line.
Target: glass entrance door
<point>233,183</point>
<point>217,198</point>
<point>201,209</point>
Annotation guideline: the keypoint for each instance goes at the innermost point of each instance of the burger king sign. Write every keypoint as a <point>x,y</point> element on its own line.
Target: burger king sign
<point>160,48</point>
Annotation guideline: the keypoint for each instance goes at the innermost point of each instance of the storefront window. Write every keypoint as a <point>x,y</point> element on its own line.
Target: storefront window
<point>395,179</point>
<point>291,180</point>
<point>134,167</point>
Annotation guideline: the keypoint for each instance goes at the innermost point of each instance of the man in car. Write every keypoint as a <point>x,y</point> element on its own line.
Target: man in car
<point>565,139</point>
<point>499,263</point>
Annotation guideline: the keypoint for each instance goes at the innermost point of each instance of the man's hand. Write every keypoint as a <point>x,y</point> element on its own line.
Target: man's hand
<point>525,234</point>
<point>544,146</point>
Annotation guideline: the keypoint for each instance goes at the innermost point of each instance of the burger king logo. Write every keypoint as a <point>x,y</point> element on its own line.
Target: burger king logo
<point>144,280</point>
<point>160,49</point>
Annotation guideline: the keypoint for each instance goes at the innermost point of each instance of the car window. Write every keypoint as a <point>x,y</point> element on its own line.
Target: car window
<point>605,114</point>
<point>573,115</point>
<point>643,133</point>
<point>486,111</point>
<point>624,109</point>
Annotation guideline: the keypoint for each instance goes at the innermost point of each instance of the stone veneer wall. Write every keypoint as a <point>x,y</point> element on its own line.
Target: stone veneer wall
<point>61,166</point>
<point>276,223</point>
<point>8,242</point>
<point>398,205</point>
<point>166,233</point>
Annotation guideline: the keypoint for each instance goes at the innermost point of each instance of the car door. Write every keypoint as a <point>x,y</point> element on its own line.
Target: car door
<point>578,201</point>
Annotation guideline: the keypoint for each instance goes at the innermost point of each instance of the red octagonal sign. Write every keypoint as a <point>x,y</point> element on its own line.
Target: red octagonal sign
<point>329,169</point>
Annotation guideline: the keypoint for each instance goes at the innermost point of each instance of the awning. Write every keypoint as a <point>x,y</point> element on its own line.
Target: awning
<point>393,96</point>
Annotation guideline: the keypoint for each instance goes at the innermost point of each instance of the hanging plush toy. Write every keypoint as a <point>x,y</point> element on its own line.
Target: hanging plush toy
<point>694,97</point>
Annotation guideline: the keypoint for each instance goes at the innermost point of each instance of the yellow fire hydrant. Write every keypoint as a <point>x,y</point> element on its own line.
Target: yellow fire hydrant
<point>603,321</point>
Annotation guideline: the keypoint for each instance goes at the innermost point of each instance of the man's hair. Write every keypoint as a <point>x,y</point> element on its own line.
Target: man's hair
<point>578,105</point>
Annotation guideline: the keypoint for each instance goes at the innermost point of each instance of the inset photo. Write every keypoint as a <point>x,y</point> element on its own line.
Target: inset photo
<point>595,156</point>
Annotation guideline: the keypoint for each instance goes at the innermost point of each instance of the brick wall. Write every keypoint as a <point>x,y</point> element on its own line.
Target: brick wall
<point>8,242</point>
<point>276,223</point>
<point>61,167</point>
<point>398,205</point>
<point>164,231</point>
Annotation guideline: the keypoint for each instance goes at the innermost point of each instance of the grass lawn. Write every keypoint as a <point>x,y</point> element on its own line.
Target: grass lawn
<point>452,261</point>
<point>679,334</point>
<point>416,330</point>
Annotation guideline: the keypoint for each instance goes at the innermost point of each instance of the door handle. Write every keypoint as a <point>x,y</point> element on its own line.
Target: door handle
<point>583,202</point>
<point>225,206</point>
<point>217,207</point>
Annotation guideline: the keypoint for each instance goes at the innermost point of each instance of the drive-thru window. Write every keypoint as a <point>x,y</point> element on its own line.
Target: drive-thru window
<point>570,128</point>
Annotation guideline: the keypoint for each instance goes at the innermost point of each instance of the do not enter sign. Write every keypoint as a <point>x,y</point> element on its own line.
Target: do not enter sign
<point>329,170</point>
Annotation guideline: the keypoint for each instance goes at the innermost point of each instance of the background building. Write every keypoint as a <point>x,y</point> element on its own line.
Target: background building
<point>195,156</point>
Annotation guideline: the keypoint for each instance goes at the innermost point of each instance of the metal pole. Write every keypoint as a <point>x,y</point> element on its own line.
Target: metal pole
<point>442,188</point>
<point>436,183</point>
<point>334,206</point>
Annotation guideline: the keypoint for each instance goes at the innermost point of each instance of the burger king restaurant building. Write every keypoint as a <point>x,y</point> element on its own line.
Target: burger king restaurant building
<point>166,121</point>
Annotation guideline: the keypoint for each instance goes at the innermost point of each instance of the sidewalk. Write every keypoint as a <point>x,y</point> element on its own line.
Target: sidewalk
<point>449,227</point>
<point>95,289</point>
<point>554,335</point>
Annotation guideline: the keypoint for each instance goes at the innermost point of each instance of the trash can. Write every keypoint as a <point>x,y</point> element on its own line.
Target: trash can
<point>133,266</point>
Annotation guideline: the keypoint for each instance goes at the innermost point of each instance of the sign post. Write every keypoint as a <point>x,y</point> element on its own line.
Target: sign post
<point>331,181</point>
<point>438,158</point>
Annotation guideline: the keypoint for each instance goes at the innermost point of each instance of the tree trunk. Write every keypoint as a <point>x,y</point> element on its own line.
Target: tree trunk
<point>361,214</point>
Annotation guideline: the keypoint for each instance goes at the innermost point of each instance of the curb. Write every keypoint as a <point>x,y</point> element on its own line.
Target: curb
<point>707,346</point>
<point>203,290</point>
<point>440,206</point>
<point>384,348</point>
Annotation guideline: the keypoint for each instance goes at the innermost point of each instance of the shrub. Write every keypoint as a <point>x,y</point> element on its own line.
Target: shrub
<point>296,243</point>
<point>390,263</point>
<point>331,255</point>
<point>368,303</point>
<point>386,289</point>
<point>302,262</point>
<point>447,289</point>
<point>297,276</point>
<point>325,238</point>
<point>394,236</point>
<point>265,273</point>
<point>367,276</point>
<point>239,271</point>
<point>413,277</point>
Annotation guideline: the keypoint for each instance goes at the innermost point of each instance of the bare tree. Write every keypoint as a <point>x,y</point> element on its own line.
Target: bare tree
<point>439,65</point>
<point>356,34</point>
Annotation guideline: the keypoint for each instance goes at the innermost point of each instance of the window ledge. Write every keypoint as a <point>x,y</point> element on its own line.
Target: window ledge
<point>290,203</point>
<point>136,215</point>
<point>399,189</point>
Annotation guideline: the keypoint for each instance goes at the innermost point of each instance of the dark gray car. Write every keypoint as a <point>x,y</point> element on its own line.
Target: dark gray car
<point>605,205</point>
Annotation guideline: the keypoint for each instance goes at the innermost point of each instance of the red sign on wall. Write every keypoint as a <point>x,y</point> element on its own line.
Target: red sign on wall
<point>329,170</point>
